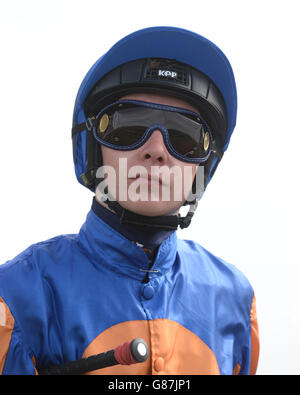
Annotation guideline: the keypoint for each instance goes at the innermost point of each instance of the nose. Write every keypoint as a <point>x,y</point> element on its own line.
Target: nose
<point>154,149</point>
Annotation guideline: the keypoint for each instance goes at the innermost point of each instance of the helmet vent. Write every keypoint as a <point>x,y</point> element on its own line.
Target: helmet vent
<point>166,70</point>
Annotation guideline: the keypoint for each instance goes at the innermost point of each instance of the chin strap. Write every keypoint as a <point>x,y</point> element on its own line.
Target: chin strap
<point>164,222</point>
<point>161,222</point>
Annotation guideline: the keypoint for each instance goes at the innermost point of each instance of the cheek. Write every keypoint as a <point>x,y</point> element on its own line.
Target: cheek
<point>107,156</point>
<point>187,172</point>
<point>111,157</point>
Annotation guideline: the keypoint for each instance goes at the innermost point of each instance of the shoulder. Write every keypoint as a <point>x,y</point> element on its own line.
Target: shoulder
<point>24,273</point>
<point>50,247</point>
<point>213,271</point>
<point>205,260</point>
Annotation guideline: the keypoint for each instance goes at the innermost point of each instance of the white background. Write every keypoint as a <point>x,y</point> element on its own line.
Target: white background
<point>249,214</point>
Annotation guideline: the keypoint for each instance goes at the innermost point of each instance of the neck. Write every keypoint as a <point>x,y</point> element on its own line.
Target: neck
<point>146,238</point>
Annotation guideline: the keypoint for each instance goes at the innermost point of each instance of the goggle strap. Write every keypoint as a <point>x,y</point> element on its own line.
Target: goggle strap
<point>167,222</point>
<point>87,125</point>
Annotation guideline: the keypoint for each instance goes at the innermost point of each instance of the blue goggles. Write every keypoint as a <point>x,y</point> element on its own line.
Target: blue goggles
<point>127,124</point>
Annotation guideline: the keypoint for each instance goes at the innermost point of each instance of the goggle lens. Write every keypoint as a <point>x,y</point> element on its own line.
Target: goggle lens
<point>125,126</point>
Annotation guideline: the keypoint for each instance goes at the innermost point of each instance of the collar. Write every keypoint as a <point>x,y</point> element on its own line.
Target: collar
<point>145,238</point>
<point>106,246</point>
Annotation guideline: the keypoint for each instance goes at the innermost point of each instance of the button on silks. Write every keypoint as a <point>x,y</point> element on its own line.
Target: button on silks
<point>159,364</point>
<point>148,292</point>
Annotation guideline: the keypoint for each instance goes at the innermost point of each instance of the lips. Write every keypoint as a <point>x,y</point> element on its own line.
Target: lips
<point>150,178</point>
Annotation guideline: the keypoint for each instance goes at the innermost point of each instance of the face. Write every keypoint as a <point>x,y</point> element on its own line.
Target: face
<point>149,180</point>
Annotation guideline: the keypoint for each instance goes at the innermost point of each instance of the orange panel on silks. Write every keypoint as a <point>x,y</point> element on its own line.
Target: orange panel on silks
<point>173,349</point>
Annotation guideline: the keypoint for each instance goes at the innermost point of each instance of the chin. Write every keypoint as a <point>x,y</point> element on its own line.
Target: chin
<point>152,209</point>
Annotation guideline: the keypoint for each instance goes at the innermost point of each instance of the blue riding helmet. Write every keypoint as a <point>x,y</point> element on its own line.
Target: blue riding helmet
<point>162,60</point>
